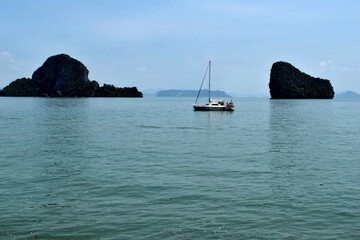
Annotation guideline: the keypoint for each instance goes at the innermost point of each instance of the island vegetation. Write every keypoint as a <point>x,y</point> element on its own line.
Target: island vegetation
<point>108,90</point>
<point>286,81</point>
<point>64,76</point>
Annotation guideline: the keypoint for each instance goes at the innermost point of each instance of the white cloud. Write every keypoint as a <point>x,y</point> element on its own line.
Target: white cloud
<point>5,54</point>
<point>148,71</point>
<point>344,69</point>
<point>131,29</point>
<point>6,62</point>
<point>325,63</point>
<point>334,67</point>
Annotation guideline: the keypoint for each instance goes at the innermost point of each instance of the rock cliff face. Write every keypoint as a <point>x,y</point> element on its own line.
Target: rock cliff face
<point>286,81</point>
<point>64,76</point>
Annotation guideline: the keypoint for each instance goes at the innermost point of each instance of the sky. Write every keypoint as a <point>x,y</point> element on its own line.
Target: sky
<point>166,44</point>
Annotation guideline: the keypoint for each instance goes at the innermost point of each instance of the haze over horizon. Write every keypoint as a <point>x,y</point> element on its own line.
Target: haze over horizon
<point>167,44</point>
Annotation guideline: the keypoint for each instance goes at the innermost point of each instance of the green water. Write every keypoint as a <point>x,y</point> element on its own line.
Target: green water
<point>153,168</point>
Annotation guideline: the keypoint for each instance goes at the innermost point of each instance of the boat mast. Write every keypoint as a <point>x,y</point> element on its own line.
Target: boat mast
<point>209,79</point>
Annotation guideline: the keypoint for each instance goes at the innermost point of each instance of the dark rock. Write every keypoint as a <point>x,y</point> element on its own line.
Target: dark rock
<point>19,87</point>
<point>64,76</point>
<point>286,81</point>
<point>57,94</point>
<point>111,91</point>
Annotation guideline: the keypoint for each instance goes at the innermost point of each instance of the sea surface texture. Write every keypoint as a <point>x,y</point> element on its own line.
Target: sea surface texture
<point>152,168</point>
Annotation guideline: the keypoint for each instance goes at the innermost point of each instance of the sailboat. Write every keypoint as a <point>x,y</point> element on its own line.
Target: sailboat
<point>214,104</point>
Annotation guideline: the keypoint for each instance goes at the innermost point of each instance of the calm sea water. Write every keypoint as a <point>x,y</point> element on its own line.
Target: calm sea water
<point>152,168</point>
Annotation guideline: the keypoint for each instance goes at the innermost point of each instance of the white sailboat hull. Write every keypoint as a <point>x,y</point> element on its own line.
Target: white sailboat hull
<point>212,108</point>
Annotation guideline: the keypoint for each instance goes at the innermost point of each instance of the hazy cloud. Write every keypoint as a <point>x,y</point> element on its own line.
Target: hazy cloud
<point>237,7</point>
<point>344,69</point>
<point>334,66</point>
<point>132,29</point>
<point>4,54</point>
<point>164,44</point>
<point>325,63</point>
<point>6,62</point>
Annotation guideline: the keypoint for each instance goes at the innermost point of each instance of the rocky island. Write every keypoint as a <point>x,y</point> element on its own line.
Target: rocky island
<point>286,81</point>
<point>64,76</point>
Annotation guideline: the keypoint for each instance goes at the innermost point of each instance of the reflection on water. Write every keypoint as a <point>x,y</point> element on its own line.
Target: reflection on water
<point>285,125</point>
<point>61,132</point>
<point>298,125</point>
<point>63,120</point>
<point>297,141</point>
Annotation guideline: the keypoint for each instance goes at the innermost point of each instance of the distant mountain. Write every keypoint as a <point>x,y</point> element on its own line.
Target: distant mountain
<point>348,94</point>
<point>191,93</point>
<point>151,92</point>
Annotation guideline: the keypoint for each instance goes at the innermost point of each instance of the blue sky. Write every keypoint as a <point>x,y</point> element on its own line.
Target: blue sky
<point>167,44</point>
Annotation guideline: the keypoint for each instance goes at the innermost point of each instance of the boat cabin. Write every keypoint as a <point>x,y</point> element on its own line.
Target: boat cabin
<point>214,102</point>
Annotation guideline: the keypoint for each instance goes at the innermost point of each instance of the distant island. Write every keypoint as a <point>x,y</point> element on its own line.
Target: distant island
<point>286,81</point>
<point>64,76</point>
<point>190,93</point>
<point>348,95</point>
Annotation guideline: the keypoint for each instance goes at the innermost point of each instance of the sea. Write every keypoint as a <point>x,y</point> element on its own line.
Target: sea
<point>152,168</point>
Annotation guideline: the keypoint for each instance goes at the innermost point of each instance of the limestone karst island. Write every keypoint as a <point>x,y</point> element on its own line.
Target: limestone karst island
<point>64,76</point>
<point>286,81</point>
